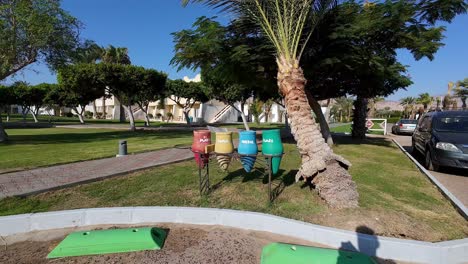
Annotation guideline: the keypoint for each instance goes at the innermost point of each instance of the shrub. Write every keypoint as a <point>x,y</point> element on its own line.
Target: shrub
<point>69,114</point>
<point>150,115</point>
<point>88,114</point>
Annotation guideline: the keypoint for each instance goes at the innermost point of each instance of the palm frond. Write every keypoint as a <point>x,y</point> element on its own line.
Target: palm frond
<point>288,24</point>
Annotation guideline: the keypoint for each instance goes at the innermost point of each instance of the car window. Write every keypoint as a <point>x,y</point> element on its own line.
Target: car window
<point>409,121</point>
<point>451,124</point>
<point>425,123</point>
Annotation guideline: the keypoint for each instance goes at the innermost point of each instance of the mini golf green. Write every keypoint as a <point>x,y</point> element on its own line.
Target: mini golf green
<point>109,241</point>
<point>279,253</point>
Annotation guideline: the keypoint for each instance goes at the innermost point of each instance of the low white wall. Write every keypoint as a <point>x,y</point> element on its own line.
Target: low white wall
<point>390,248</point>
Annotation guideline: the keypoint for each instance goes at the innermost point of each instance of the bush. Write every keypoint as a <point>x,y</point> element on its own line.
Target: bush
<point>88,114</point>
<point>100,115</point>
<point>393,119</point>
<point>150,115</point>
<point>69,114</point>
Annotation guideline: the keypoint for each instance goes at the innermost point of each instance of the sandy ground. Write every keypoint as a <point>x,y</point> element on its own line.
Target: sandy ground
<point>184,244</point>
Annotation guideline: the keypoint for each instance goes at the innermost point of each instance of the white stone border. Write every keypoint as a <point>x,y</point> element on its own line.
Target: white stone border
<point>455,251</point>
<point>454,200</point>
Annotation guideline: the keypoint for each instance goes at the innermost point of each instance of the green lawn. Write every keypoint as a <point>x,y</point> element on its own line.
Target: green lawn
<point>347,129</point>
<point>395,198</point>
<point>29,148</point>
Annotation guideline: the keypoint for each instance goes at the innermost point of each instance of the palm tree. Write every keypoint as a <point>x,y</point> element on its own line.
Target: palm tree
<point>462,91</point>
<point>288,25</point>
<point>343,106</point>
<point>117,55</point>
<point>425,99</point>
<point>89,52</point>
<point>408,103</point>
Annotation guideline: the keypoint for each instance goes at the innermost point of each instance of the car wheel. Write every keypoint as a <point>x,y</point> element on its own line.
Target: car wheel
<point>428,162</point>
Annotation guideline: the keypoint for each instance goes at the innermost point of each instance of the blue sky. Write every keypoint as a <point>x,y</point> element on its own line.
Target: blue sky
<point>144,27</point>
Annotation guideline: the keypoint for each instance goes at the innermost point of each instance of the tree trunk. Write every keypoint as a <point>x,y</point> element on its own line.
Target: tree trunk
<point>80,115</point>
<point>104,110</point>
<point>359,120</point>
<point>327,170</point>
<point>128,108</point>
<point>244,120</point>
<point>144,109</point>
<point>187,117</point>
<point>147,120</point>
<point>3,133</point>
<point>94,110</point>
<point>34,116</point>
<point>324,128</point>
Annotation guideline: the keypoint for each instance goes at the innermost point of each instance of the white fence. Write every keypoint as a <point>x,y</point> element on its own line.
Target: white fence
<point>370,122</point>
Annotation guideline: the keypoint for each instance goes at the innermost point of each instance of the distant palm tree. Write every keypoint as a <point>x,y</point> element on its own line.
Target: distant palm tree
<point>425,99</point>
<point>462,91</point>
<point>344,107</point>
<point>408,103</point>
<point>89,52</point>
<point>116,55</point>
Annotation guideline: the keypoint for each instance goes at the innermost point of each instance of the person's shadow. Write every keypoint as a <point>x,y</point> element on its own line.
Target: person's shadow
<point>367,243</point>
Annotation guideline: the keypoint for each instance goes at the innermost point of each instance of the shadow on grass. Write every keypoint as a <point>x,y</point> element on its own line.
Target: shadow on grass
<point>64,138</point>
<point>279,181</point>
<point>348,140</point>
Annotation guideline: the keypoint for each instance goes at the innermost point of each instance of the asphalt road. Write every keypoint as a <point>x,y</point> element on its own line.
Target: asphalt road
<point>455,180</point>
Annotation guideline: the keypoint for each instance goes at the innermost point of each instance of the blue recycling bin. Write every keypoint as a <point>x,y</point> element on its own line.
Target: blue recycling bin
<point>247,146</point>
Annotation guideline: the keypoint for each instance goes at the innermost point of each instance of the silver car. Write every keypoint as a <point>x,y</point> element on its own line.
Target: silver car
<point>404,126</point>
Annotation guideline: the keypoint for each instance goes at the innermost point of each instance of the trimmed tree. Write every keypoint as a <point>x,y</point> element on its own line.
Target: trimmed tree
<point>34,31</point>
<point>80,84</point>
<point>185,94</point>
<point>30,98</point>
<point>150,87</point>
<point>235,61</point>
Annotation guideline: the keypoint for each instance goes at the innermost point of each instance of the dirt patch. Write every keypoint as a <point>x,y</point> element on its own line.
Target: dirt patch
<point>184,244</point>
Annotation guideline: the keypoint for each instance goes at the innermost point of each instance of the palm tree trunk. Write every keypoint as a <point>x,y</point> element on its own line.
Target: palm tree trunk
<point>359,120</point>
<point>327,170</point>
<point>324,128</point>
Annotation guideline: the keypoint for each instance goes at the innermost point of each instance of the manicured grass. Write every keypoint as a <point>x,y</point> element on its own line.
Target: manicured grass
<point>347,129</point>
<point>29,148</point>
<point>395,198</point>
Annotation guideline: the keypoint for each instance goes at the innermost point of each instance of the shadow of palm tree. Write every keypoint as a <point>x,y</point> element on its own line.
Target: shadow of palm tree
<point>64,138</point>
<point>367,243</point>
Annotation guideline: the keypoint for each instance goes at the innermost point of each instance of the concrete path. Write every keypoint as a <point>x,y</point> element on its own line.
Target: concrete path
<point>456,181</point>
<point>48,178</point>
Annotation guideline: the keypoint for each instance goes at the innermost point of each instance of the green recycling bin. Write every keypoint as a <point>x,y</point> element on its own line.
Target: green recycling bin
<point>272,145</point>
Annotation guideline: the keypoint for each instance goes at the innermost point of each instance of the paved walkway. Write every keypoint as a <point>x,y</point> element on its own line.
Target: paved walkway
<point>48,178</point>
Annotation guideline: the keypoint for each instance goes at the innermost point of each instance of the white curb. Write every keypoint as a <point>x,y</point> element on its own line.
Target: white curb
<point>454,200</point>
<point>455,251</point>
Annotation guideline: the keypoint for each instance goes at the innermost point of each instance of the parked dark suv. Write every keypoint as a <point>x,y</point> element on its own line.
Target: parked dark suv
<point>442,137</point>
